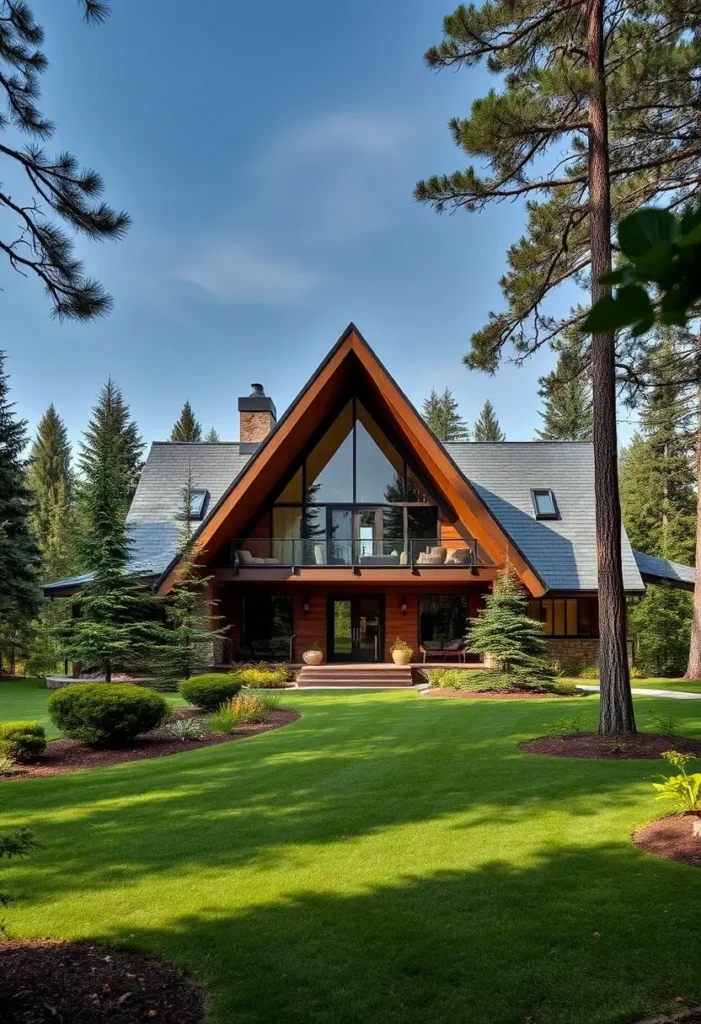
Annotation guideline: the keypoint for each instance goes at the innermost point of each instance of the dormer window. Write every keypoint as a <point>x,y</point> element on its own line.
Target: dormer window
<point>198,500</point>
<point>544,504</point>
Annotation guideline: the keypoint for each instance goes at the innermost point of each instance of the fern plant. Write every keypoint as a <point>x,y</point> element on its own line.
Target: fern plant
<point>684,788</point>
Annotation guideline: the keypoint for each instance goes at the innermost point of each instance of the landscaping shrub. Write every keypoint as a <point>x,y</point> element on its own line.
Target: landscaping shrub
<point>270,677</point>
<point>248,710</point>
<point>589,672</point>
<point>209,691</point>
<point>270,701</point>
<point>684,789</point>
<point>636,673</point>
<point>569,669</point>
<point>567,689</point>
<point>568,726</point>
<point>8,765</point>
<point>184,729</point>
<point>660,722</point>
<point>223,720</point>
<point>22,741</point>
<point>106,714</point>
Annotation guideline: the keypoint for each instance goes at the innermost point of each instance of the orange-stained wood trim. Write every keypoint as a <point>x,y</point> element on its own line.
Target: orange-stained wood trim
<point>362,578</point>
<point>293,430</point>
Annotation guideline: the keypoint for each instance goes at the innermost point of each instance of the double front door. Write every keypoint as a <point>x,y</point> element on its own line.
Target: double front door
<point>356,628</point>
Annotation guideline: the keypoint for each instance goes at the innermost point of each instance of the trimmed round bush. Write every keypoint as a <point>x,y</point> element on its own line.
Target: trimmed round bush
<point>106,714</point>
<point>209,691</point>
<point>262,676</point>
<point>22,741</point>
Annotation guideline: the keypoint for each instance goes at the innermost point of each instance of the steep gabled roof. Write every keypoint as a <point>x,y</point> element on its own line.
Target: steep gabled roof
<point>350,356</point>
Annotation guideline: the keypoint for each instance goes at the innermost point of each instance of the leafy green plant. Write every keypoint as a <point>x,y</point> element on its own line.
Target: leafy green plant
<point>223,720</point>
<point>262,675</point>
<point>15,844</point>
<point>565,689</point>
<point>660,722</point>
<point>684,789</point>
<point>209,691</point>
<point>568,669</point>
<point>22,741</point>
<point>661,282</point>
<point>589,672</point>
<point>248,710</point>
<point>106,714</point>
<point>636,673</point>
<point>567,726</point>
<point>402,645</point>
<point>184,729</point>
<point>8,765</point>
<point>270,701</point>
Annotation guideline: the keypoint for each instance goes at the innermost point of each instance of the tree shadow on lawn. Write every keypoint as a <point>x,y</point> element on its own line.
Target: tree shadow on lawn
<point>592,936</point>
<point>333,776</point>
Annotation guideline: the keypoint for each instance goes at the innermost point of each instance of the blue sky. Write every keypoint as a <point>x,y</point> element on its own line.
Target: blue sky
<point>267,155</point>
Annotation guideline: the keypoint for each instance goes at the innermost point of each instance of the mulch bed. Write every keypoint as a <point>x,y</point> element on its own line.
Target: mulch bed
<point>613,747</point>
<point>495,694</point>
<point>676,837</point>
<point>46,982</point>
<point>65,755</point>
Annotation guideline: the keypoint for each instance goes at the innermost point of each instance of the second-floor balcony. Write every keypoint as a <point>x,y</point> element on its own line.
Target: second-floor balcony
<point>360,552</point>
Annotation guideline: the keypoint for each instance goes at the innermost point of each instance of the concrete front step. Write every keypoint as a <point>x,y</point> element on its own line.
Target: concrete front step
<point>344,675</point>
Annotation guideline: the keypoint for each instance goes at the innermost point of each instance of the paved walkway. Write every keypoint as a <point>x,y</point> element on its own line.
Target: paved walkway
<point>638,691</point>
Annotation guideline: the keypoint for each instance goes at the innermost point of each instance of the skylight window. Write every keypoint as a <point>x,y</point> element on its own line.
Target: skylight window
<point>544,504</point>
<point>198,500</point>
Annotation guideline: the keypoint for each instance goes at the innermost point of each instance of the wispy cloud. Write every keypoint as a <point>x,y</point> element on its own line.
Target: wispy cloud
<point>235,272</point>
<point>318,183</point>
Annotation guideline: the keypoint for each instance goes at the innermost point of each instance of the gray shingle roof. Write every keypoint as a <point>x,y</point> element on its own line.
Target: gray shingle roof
<point>654,569</point>
<point>562,551</point>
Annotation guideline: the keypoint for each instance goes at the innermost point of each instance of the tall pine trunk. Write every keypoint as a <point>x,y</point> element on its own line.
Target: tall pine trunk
<point>616,713</point>
<point>693,669</point>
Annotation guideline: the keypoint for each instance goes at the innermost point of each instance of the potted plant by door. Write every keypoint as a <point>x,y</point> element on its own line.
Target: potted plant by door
<point>401,652</point>
<point>313,656</point>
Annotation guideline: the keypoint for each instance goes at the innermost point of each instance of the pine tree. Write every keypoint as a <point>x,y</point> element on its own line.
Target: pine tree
<point>566,392</point>
<point>116,627</point>
<point>440,413</point>
<point>212,437</point>
<point>186,427</point>
<point>19,553</point>
<point>507,633</point>
<point>189,612</point>
<point>49,478</point>
<point>487,426</point>
<point>574,75</point>
<point>44,185</point>
<point>658,501</point>
<point>111,436</point>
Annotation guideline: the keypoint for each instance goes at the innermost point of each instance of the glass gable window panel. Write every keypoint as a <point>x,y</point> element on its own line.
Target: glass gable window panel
<point>287,522</point>
<point>393,546</point>
<point>379,468</point>
<point>267,622</point>
<point>414,488</point>
<point>330,464</point>
<point>367,533</point>
<point>313,529</point>
<point>572,625</point>
<point>341,536</point>
<point>293,491</point>
<point>422,530</point>
<point>442,620</point>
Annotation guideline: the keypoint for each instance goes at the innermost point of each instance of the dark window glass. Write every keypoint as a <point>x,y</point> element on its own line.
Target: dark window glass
<point>393,532</point>
<point>268,618</point>
<point>313,529</point>
<point>544,502</point>
<point>287,521</point>
<point>341,536</point>
<point>422,530</point>
<point>442,620</point>
<point>293,490</point>
<point>585,617</point>
<point>379,468</point>
<point>330,464</point>
<point>414,488</point>
<point>198,500</point>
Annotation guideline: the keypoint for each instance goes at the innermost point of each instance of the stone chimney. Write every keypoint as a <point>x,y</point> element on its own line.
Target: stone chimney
<point>257,418</point>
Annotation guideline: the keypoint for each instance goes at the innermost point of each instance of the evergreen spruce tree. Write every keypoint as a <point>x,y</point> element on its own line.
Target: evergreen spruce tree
<point>111,435</point>
<point>487,426</point>
<point>186,427</point>
<point>19,553</point>
<point>440,413</point>
<point>49,479</point>
<point>507,633</point>
<point>189,613</point>
<point>597,115</point>
<point>116,627</point>
<point>43,185</point>
<point>212,437</point>
<point>658,501</point>
<point>566,392</point>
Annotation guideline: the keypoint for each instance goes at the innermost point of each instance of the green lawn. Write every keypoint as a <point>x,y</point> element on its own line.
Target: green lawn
<point>693,686</point>
<point>387,858</point>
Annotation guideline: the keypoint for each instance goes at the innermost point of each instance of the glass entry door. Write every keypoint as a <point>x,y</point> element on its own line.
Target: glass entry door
<point>356,628</point>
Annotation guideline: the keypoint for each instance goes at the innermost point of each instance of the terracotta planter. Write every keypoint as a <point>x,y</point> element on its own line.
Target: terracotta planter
<point>312,657</point>
<point>401,657</point>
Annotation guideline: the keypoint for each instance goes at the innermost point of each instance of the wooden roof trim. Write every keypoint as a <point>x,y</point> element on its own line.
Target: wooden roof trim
<point>468,505</point>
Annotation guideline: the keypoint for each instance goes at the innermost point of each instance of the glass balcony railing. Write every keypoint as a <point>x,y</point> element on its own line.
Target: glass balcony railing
<point>363,552</point>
